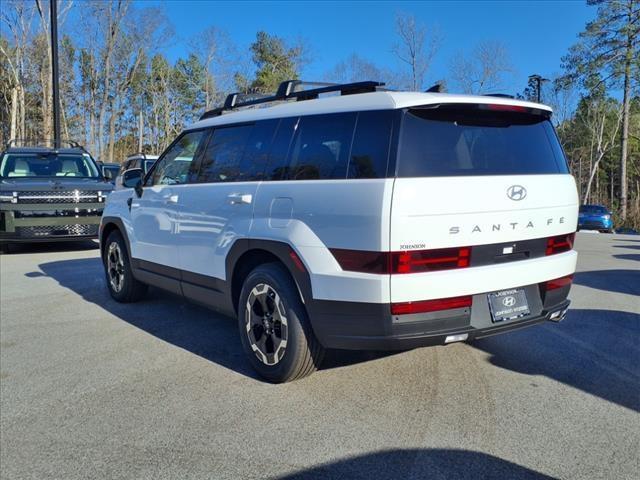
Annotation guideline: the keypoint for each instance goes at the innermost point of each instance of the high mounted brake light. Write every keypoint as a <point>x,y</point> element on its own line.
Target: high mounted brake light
<point>505,108</point>
<point>410,261</point>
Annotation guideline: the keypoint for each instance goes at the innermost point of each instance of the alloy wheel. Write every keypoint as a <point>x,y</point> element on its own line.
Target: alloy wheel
<point>266,324</point>
<point>115,267</point>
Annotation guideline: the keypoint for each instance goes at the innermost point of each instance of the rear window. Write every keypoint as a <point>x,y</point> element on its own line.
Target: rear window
<point>463,141</point>
<point>594,209</point>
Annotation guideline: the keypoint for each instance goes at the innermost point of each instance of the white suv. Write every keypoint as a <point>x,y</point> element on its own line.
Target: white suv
<point>369,219</point>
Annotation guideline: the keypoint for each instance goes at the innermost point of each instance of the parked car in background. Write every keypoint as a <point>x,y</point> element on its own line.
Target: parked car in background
<point>110,171</point>
<point>49,194</point>
<point>139,160</point>
<point>595,217</point>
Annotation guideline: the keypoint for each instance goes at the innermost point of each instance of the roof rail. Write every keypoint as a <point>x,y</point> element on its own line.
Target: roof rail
<point>41,142</point>
<point>44,143</point>
<point>289,90</point>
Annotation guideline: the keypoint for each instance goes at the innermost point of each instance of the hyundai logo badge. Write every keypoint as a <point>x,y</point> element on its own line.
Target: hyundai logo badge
<point>516,192</point>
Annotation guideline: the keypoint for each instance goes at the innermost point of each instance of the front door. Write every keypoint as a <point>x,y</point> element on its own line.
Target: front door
<point>155,215</point>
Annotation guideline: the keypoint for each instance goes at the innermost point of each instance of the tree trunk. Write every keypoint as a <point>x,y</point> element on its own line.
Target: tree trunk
<point>14,113</point>
<point>112,131</point>
<point>140,131</point>
<point>591,177</point>
<point>624,144</point>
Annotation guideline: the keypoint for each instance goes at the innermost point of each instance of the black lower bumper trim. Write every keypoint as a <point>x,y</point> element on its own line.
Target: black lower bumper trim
<point>409,341</point>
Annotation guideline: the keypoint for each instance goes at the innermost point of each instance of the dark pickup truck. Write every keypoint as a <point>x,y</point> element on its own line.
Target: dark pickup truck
<point>49,194</point>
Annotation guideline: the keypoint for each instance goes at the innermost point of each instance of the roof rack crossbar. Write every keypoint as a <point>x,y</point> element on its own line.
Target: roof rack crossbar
<point>288,90</point>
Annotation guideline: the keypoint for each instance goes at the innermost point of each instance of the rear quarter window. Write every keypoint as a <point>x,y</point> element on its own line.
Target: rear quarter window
<point>321,147</point>
<point>459,142</point>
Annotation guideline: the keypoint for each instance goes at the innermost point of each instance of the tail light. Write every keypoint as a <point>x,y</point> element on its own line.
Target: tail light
<point>558,283</point>
<point>430,260</point>
<point>414,261</point>
<point>560,243</point>
<point>424,306</point>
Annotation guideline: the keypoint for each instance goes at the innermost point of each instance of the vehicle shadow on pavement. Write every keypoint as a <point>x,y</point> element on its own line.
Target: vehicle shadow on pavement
<point>174,320</point>
<point>429,464</point>
<point>630,247</point>
<point>620,281</point>
<point>595,351</point>
<point>629,256</point>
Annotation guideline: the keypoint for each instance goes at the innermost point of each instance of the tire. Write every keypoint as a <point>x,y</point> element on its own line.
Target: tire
<point>5,248</point>
<point>270,287</point>
<point>123,287</point>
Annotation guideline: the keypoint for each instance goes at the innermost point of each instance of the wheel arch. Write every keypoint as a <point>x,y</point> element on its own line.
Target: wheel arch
<point>246,255</point>
<point>108,225</point>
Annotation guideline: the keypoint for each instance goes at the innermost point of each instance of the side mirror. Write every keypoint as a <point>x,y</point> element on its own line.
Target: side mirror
<point>133,179</point>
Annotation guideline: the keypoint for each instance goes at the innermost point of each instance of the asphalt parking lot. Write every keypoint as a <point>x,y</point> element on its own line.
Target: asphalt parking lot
<point>160,389</point>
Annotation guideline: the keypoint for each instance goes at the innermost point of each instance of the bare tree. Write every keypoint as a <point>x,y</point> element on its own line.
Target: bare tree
<point>603,138</point>
<point>484,70</point>
<point>221,60</point>
<point>18,17</point>
<point>416,47</point>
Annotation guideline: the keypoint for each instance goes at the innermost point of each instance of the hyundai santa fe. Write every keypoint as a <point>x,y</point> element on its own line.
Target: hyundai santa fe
<point>352,217</point>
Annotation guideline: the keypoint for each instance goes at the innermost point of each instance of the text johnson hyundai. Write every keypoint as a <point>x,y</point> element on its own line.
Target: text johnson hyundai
<point>365,219</point>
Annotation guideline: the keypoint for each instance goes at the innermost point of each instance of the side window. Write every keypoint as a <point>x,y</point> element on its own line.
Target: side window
<point>256,153</point>
<point>277,168</point>
<point>174,166</point>
<point>321,147</point>
<point>370,149</point>
<point>222,159</point>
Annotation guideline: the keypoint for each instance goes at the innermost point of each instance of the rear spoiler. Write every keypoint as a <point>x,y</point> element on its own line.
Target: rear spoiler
<point>496,107</point>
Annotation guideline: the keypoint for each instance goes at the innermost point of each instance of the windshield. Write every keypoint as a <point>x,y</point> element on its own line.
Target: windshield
<point>595,209</point>
<point>37,165</point>
<point>466,141</point>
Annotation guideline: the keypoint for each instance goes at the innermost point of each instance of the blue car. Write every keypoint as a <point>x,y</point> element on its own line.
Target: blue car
<point>595,217</point>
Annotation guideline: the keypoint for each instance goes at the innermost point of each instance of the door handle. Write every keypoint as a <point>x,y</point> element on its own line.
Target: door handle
<point>171,199</point>
<point>240,198</point>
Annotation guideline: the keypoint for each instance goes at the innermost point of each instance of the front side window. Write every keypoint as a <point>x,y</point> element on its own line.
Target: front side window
<point>321,147</point>
<point>466,141</point>
<point>47,164</point>
<point>175,165</point>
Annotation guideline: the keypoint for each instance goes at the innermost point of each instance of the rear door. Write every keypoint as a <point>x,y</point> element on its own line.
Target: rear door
<point>474,176</point>
<point>471,175</point>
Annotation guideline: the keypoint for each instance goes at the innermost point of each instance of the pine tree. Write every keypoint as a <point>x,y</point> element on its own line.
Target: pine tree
<point>609,46</point>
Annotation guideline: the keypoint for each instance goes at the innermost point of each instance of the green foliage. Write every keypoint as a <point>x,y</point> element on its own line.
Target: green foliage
<point>275,62</point>
<point>600,53</point>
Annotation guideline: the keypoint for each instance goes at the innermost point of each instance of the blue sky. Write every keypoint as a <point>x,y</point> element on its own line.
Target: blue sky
<point>537,33</point>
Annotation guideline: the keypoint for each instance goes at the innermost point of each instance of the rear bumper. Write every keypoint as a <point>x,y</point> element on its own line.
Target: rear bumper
<point>357,326</point>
